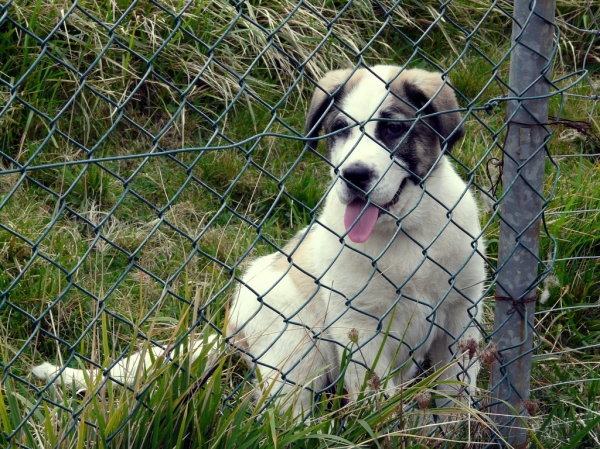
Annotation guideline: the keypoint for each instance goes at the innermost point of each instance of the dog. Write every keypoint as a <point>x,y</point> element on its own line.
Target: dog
<point>388,275</point>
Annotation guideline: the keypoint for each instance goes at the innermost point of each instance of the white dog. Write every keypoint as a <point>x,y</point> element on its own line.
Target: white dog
<point>392,269</point>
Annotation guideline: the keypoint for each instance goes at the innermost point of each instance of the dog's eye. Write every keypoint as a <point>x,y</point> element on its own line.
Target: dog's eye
<point>337,126</point>
<point>394,129</point>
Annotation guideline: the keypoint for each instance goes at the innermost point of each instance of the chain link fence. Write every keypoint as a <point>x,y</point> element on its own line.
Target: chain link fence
<point>150,150</point>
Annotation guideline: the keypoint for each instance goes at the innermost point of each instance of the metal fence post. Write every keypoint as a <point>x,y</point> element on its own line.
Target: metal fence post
<point>523,179</point>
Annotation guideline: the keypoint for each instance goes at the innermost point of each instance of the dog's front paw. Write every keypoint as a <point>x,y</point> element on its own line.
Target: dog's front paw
<point>44,371</point>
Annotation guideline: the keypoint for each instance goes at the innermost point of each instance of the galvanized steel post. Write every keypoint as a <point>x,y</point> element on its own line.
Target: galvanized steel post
<point>521,203</point>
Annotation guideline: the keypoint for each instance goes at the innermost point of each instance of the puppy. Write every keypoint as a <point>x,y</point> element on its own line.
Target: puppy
<point>391,271</point>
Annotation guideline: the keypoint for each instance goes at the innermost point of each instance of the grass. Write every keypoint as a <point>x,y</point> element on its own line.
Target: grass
<point>95,256</point>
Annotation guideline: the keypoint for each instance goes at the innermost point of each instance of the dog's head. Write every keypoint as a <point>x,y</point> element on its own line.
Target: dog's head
<point>386,128</point>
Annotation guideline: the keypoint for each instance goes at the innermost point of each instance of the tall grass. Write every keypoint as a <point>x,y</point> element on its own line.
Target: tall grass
<point>97,258</point>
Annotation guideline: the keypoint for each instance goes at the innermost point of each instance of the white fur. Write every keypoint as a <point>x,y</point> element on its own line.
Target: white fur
<point>295,326</point>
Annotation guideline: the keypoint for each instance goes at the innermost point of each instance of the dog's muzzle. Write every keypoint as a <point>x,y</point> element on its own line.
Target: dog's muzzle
<point>361,214</point>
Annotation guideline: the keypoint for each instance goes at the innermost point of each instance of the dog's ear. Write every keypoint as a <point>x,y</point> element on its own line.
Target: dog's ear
<point>320,102</point>
<point>419,88</point>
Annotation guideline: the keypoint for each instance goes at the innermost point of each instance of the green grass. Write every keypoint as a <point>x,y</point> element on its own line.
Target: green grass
<point>87,249</point>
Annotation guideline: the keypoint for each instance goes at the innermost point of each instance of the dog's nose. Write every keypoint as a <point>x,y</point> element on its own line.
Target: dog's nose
<point>358,175</point>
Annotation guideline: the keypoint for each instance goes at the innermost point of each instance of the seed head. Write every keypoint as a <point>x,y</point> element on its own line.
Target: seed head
<point>469,346</point>
<point>373,382</point>
<point>423,399</point>
<point>489,355</point>
<point>531,406</point>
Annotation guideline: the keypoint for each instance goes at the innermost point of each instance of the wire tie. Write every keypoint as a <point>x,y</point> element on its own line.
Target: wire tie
<point>517,304</point>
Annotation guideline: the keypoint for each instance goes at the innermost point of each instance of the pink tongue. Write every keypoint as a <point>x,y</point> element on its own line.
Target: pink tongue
<point>361,231</point>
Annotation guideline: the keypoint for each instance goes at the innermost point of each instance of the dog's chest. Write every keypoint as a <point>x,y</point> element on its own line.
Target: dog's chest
<point>382,272</point>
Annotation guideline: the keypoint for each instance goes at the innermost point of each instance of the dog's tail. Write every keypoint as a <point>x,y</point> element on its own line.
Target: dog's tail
<point>128,369</point>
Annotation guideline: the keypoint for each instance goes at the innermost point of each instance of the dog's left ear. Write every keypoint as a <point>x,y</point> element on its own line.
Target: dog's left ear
<point>321,100</point>
<point>419,88</point>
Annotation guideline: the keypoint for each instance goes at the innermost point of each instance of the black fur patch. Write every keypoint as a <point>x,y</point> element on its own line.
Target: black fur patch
<point>445,124</point>
<point>317,115</point>
<point>417,147</point>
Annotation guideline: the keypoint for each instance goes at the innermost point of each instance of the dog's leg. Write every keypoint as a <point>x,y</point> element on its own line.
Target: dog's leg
<point>125,371</point>
<point>464,365</point>
<point>291,362</point>
<point>357,377</point>
<point>293,388</point>
<point>277,320</point>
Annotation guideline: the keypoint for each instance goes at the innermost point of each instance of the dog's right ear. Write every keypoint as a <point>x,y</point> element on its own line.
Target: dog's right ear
<point>422,87</point>
<point>320,102</point>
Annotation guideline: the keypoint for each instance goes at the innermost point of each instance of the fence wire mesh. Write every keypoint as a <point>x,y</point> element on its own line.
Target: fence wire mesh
<point>152,149</point>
